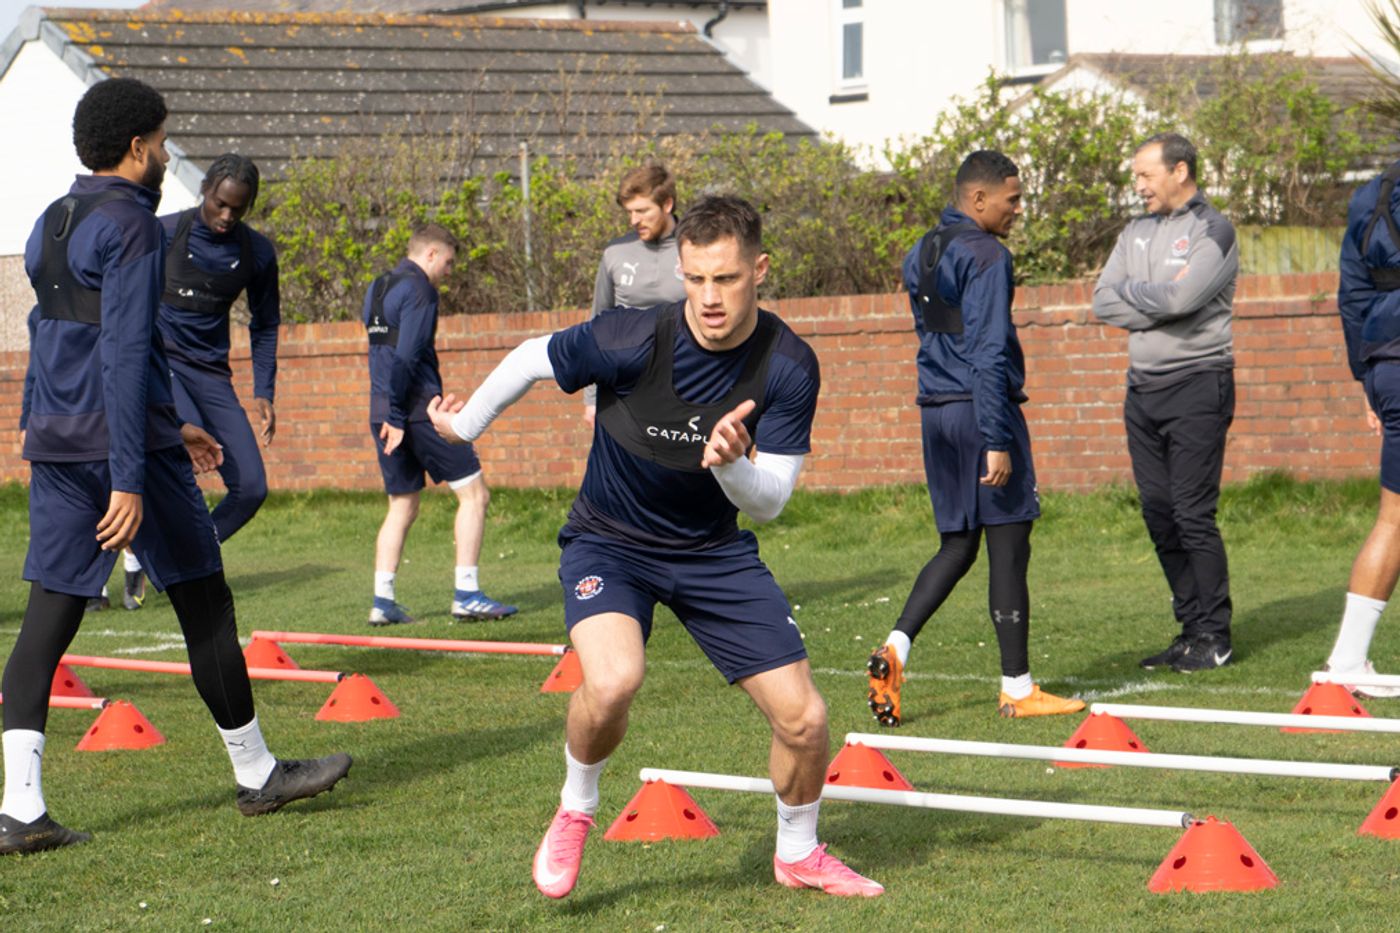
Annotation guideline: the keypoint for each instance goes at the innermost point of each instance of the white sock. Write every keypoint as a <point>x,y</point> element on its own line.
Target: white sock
<point>129,562</point>
<point>1018,688</point>
<point>467,579</point>
<point>1359,621</point>
<point>580,784</point>
<point>24,788</point>
<point>252,762</point>
<point>104,591</point>
<point>797,830</point>
<point>384,584</point>
<point>901,644</point>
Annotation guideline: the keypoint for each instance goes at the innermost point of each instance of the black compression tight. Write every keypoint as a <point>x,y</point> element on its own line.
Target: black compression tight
<point>50,623</point>
<point>1008,599</point>
<point>205,611</point>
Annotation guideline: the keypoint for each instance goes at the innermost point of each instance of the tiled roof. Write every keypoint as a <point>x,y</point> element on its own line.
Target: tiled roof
<point>282,86</point>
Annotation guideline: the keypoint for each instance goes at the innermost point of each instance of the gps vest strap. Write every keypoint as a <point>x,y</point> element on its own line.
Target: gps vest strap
<point>61,296</point>
<point>656,424</point>
<point>381,334</point>
<point>939,317</point>
<point>189,287</point>
<point>1387,279</point>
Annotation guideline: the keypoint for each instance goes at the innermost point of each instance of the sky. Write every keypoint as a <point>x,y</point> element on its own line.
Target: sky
<point>11,9</point>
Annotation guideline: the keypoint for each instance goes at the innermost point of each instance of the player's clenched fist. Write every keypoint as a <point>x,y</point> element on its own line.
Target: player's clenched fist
<point>730,439</point>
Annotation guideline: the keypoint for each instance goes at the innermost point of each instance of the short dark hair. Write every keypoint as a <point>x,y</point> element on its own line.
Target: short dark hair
<point>652,181</point>
<point>717,216</point>
<point>236,168</point>
<point>431,235</point>
<point>111,114</point>
<point>984,167</point>
<point>1175,148</point>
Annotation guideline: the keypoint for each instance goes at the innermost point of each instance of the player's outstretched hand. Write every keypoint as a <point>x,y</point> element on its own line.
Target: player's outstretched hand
<point>998,468</point>
<point>730,439</point>
<point>440,410</point>
<point>118,526</point>
<point>391,436</point>
<point>268,416</point>
<point>205,452</point>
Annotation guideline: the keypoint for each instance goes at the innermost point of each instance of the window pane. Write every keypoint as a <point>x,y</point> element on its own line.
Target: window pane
<point>1035,33</point>
<point>1241,20</point>
<point>852,64</point>
<point>850,4</point>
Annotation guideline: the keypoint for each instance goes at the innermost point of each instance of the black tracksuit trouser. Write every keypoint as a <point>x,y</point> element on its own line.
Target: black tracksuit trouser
<point>1176,438</point>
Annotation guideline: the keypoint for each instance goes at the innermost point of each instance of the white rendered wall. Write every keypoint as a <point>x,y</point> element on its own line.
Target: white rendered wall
<point>37,97</point>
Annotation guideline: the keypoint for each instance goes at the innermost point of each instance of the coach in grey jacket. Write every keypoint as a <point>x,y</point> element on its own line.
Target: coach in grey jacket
<point>642,268</point>
<point>1170,283</point>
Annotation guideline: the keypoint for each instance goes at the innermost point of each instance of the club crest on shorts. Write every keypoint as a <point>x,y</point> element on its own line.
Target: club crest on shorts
<point>1181,245</point>
<point>588,587</point>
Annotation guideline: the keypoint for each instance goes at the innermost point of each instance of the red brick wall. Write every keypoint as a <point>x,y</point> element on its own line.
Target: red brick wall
<point>1298,409</point>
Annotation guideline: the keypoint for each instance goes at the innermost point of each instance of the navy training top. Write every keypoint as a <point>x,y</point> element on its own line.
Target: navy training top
<point>1370,315</point>
<point>201,340</point>
<point>405,377</point>
<point>626,497</point>
<point>984,363</point>
<point>103,392</point>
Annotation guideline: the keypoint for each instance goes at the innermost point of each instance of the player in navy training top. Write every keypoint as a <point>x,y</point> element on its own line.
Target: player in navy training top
<point>108,469</point>
<point>212,257</point>
<point>684,392</point>
<point>400,316</point>
<point>977,449</point>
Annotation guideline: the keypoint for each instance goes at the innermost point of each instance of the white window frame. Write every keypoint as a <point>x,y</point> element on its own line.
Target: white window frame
<point>1007,36</point>
<point>841,17</point>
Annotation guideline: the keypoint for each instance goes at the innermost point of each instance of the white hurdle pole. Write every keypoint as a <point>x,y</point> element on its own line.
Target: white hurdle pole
<point>1089,756</point>
<point>904,798</point>
<point>1356,680</point>
<point>1241,718</point>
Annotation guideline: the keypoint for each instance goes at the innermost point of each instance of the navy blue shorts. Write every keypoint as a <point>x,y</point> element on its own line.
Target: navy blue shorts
<point>1383,392</point>
<point>176,541</point>
<point>725,597</point>
<point>422,450</point>
<point>955,458</point>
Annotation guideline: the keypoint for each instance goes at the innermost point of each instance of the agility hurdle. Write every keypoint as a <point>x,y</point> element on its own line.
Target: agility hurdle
<point>178,667</point>
<point>1304,769</point>
<point>412,644</point>
<point>1242,718</point>
<point>1364,680</point>
<point>997,806</point>
<point>72,702</point>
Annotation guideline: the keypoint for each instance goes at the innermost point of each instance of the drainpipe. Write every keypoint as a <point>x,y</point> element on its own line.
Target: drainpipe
<point>710,26</point>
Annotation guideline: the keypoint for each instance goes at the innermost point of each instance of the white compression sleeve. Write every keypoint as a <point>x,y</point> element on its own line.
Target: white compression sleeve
<point>760,487</point>
<point>524,366</point>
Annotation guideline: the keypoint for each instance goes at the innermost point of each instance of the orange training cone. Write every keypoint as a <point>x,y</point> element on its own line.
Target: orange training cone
<point>357,699</point>
<point>1384,820</point>
<point>263,653</point>
<point>120,725</point>
<point>1326,700</point>
<point>1102,732</point>
<point>68,684</point>
<point>660,811</point>
<point>859,766</point>
<point>566,676</point>
<point>1212,856</point>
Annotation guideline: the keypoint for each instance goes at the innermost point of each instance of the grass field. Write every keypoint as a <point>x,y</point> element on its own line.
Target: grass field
<point>437,823</point>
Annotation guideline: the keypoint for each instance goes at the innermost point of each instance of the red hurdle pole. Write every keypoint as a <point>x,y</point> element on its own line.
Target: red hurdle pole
<point>418,644</point>
<point>72,702</point>
<point>177,667</point>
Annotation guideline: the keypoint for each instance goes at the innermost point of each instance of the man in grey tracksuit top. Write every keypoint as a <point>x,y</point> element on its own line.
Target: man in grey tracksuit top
<point>1170,283</point>
<point>640,269</point>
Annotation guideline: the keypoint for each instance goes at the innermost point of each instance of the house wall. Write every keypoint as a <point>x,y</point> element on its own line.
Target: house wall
<point>1298,408</point>
<point>920,54</point>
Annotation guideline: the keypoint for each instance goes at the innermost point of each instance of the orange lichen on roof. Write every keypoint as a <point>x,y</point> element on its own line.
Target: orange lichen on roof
<point>80,32</point>
<point>96,51</point>
<point>74,17</point>
<point>236,51</point>
<point>182,59</point>
<point>135,26</point>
